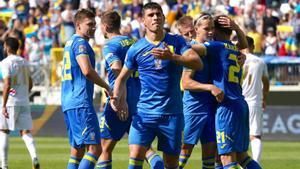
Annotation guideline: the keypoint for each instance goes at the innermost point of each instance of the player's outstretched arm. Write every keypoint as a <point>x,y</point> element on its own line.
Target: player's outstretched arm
<point>90,73</point>
<point>189,58</point>
<point>118,101</point>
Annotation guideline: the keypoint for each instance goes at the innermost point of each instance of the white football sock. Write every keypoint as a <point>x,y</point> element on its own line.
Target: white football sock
<point>4,149</point>
<point>30,144</point>
<point>256,146</point>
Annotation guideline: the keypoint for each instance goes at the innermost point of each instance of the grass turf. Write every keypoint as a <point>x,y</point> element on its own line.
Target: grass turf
<point>54,153</point>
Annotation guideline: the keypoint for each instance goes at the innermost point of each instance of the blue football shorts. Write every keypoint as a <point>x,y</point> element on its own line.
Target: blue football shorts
<point>82,126</point>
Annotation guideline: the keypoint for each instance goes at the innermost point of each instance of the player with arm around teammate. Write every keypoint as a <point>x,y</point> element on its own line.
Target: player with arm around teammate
<point>232,120</point>
<point>159,110</point>
<point>113,125</point>
<point>78,78</point>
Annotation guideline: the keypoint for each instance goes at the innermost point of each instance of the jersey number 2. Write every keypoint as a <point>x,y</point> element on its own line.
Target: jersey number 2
<point>66,74</point>
<point>233,69</point>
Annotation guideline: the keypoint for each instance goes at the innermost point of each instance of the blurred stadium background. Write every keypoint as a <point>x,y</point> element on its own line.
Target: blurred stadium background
<point>43,27</point>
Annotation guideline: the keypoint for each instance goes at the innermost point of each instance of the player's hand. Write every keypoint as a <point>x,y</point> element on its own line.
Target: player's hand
<point>162,53</point>
<point>264,105</point>
<point>218,93</point>
<point>122,112</point>
<point>4,112</point>
<point>241,59</point>
<point>226,22</point>
<point>114,103</point>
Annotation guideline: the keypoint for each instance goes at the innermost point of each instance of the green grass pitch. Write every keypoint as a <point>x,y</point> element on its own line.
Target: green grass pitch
<point>54,153</point>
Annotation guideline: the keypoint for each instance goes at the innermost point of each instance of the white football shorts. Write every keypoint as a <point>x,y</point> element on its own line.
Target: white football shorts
<point>255,120</point>
<point>19,118</point>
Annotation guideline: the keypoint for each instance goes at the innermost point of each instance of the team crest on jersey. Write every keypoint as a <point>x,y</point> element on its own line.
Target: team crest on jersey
<point>109,55</point>
<point>158,63</point>
<point>12,92</point>
<point>92,136</point>
<point>82,48</point>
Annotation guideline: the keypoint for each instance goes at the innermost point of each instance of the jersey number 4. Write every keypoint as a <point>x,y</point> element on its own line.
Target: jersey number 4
<point>233,69</point>
<point>66,73</point>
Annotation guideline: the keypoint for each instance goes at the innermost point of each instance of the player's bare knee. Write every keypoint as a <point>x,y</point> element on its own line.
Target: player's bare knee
<point>5,131</point>
<point>228,158</point>
<point>170,160</point>
<point>137,151</point>
<point>77,152</point>
<point>209,150</point>
<point>23,132</point>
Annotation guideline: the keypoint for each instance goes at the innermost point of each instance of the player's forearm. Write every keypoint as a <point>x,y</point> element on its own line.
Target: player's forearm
<point>195,86</point>
<point>242,40</point>
<point>6,88</point>
<point>190,60</point>
<point>266,88</point>
<point>119,88</point>
<point>94,77</point>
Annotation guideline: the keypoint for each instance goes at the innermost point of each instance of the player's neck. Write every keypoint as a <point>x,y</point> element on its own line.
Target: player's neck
<point>155,36</point>
<point>81,35</point>
<point>111,35</point>
<point>200,40</point>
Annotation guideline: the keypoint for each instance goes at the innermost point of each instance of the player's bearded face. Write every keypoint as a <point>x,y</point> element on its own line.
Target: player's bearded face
<point>154,20</point>
<point>87,27</point>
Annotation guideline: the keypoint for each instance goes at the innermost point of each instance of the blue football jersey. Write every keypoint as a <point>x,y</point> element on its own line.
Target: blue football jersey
<point>76,91</point>
<point>225,71</point>
<point>160,79</point>
<point>115,50</point>
<point>199,102</point>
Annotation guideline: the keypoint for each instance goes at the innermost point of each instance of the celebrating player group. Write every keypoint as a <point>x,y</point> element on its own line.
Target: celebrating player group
<point>144,96</point>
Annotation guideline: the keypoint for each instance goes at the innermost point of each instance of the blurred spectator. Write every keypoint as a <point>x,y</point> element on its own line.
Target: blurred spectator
<point>269,21</point>
<point>55,22</point>
<point>33,50</point>
<point>31,28</point>
<point>46,45</point>
<point>22,10</point>
<point>44,27</point>
<point>207,7</point>
<point>257,37</point>
<point>2,30</point>
<point>271,42</point>
<point>67,20</point>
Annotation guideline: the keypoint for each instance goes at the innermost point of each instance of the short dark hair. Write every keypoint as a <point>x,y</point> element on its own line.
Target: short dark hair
<point>112,19</point>
<point>219,27</point>
<point>185,20</point>
<point>83,13</point>
<point>12,43</point>
<point>250,41</point>
<point>151,5</point>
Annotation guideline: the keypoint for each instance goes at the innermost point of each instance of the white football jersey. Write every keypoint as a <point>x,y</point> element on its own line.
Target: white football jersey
<point>17,68</point>
<point>254,70</point>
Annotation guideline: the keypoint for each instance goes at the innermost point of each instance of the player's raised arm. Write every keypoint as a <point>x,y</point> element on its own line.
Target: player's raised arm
<point>226,22</point>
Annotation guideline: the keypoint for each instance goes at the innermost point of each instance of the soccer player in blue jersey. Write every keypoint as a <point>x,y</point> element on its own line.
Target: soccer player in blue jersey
<point>199,103</point>
<point>78,78</point>
<point>112,125</point>
<point>157,57</point>
<point>200,96</point>
<point>232,123</point>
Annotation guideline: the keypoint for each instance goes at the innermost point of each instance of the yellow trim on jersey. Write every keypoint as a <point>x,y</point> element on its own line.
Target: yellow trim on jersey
<point>81,55</point>
<point>91,159</point>
<point>157,41</point>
